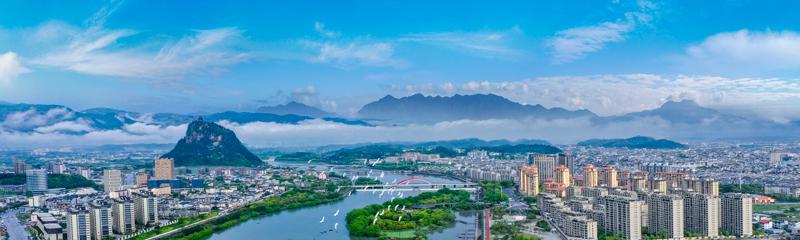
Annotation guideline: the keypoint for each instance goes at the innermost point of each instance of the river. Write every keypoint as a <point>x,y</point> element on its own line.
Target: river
<point>305,223</point>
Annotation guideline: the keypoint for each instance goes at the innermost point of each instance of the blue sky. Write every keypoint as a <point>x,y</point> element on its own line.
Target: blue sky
<point>610,57</point>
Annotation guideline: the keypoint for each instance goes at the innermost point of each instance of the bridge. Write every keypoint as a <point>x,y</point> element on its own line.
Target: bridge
<point>411,184</point>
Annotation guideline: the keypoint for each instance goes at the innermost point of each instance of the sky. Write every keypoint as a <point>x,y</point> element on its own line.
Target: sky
<point>610,57</point>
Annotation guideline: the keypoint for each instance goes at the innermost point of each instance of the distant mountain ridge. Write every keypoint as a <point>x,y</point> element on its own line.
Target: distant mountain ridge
<point>296,108</point>
<point>428,109</point>
<point>638,142</point>
<point>209,144</point>
<point>61,119</point>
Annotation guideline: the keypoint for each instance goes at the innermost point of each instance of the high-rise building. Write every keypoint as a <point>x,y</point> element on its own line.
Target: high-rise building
<point>142,178</point>
<point>701,214</point>
<point>737,214</point>
<point>658,185</point>
<point>85,172</point>
<point>102,219</point>
<point>57,168</point>
<point>710,187</point>
<point>590,178</point>
<point>112,180</point>
<point>568,161</point>
<point>547,166</point>
<point>146,208</point>
<point>123,213</point>
<point>622,216</point>
<point>775,158</point>
<point>674,179</point>
<point>20,166</point>
<point>36,180</point>
<point>637,183</point>
<point>608,177</point>
<point>529,180</point>
<point>78,225</point>
<point>562,176</point>
<point>164,169</point>
<point>665,214</point>
<point>692,183</point>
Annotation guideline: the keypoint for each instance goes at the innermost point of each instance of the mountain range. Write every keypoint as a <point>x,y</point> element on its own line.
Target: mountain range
<point>638,142</point>
<point>685,120</point>
<point>430,109</point>
<point>296,108</point>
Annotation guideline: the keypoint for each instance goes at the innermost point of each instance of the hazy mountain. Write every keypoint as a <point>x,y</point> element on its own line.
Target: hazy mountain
<point>296,108</point>
<point>427,109</point>
<point>209,144</point>
<point>685,111</point>
<point>634,142</point>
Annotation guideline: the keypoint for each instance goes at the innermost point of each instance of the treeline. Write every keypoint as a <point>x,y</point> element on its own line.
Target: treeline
<point>66,181</point>
<point>375,151</point>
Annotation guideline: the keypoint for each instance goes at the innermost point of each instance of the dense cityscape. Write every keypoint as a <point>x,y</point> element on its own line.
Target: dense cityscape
<point>582,193</point>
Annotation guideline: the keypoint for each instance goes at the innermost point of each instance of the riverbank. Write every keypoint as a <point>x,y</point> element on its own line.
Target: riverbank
<point>293,199</point>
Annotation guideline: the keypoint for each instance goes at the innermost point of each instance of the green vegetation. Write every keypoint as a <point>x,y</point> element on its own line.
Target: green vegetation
<point>659,235</point>
<point>503,229</point>
<point>602,235</point>
<point>70,181</point>
<point>367,181</point>
<point>423,213</point>
<point>692,234</point>
<point>493,192</point>
<point>53,181</point>
<point>444,149</point>
<point>742,188</point>
<point>634,142</point>
<point>786,212</point>
<point>298,157</point>
<point>543,225</point>
<point>523,236</point>
<point>401,166</point>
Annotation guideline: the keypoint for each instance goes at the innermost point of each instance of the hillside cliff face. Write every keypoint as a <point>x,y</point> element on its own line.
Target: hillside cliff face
<point>209,144</point>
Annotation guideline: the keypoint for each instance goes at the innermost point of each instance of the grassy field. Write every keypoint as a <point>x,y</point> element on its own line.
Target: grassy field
<point>407,234</point>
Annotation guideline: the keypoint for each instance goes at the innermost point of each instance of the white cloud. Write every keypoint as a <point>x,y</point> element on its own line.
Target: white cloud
<point>99,51</point>
<point>746,50</point>
<point>10,67</point>
<point>575,43</point>
<point>65,127</point>
<point>481,43</point>
<point>32,118</point>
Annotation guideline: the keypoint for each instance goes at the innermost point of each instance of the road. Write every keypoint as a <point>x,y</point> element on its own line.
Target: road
<point>16,229</point>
